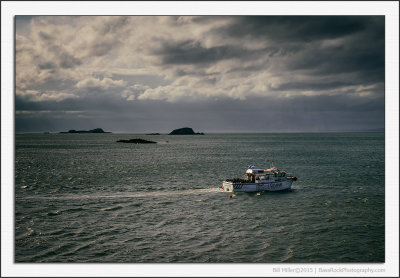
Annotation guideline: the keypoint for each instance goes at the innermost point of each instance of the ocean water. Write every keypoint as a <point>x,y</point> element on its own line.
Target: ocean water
<point>86,198</point>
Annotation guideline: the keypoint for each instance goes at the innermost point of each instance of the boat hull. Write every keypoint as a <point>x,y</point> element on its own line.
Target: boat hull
<point>256,187</point>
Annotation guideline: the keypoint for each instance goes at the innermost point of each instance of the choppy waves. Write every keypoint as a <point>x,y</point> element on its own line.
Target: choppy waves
<point>90,200</point>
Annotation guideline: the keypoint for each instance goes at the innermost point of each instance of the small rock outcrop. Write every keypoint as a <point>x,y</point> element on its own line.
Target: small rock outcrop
<point>185,131</point>
<point>96,130</point>
<point>136,141</point>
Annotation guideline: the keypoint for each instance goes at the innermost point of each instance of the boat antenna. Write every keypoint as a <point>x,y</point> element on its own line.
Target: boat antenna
<point>272,162</point>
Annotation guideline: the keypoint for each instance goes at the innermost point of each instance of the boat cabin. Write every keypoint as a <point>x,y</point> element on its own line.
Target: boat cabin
<point>257,175</point>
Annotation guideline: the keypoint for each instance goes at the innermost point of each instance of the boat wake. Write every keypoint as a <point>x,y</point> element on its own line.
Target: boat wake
<point>133,194</point>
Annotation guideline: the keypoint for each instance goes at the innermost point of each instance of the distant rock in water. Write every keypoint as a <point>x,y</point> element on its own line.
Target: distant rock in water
<point>185,131</point>
<point>153,134</point>
<point>96,130</point>
<point>136,141</point>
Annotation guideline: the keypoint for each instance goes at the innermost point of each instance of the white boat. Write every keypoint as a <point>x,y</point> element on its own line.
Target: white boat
<point>256,180</point>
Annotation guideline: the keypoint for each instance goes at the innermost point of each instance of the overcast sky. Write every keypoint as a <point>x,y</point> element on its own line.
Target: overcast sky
<point>211,73</point>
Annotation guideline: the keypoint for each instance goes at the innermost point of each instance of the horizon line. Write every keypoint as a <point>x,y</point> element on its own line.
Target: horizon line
<point>205,133</point>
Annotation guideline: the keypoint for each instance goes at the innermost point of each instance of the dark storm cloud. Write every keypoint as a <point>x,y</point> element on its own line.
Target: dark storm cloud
<point>294,28</point>
<point>361,51</point>
<point>316,45</point>
<point>339,59</point>
<point>191,52</point>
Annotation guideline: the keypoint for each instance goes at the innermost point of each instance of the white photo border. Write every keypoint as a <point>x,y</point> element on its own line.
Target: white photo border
<point>390,9</point>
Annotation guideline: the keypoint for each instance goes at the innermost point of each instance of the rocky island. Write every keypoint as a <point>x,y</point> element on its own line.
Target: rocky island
<point>136,141</point>
<point>96,130</point>
<point>185,131</point>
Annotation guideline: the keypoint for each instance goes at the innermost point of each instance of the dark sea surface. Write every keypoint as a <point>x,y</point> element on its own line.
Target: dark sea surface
<point>87,198</point>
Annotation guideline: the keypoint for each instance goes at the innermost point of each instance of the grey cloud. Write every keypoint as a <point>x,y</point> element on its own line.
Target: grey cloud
<point>192,52</point>
<point>114,24</point>
<point>362,51</point>
<point>294,28</point>
<point>337,60</point>
<point>311,86</point>
<point>67,61</point>
<point>45,36</point>
<point>108,35</point>
<point>47,65</point>
<point>55,84</point>
<point>63,58</point>
<point>151,80</point>
<point>101,48</point>
<point>245,70</point>
<point>296,39</point>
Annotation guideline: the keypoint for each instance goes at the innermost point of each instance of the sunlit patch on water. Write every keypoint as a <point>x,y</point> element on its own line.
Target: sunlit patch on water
<point>112,208</point>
